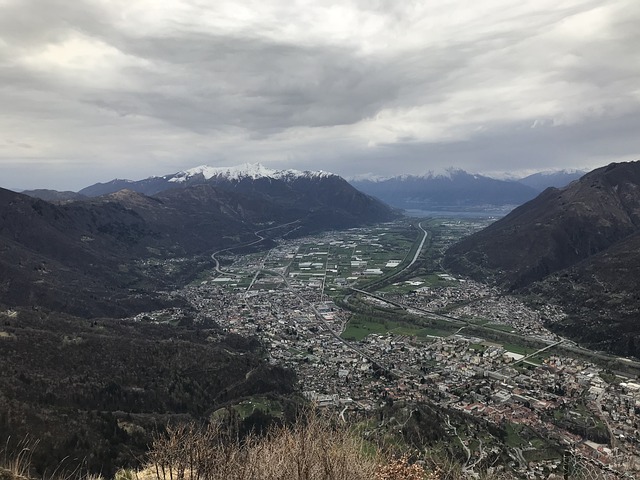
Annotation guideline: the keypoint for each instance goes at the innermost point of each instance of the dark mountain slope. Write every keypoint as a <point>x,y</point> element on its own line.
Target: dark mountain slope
<point>327,201</point>
<point>581,247</point>
<point>257,194</point>
<point>555,230</point>
<point>95,393</point>
<point>148,186</point>
<point>307,191</point>
<point>602,297</point>
<point>73,257</point>
<point>84,257</point>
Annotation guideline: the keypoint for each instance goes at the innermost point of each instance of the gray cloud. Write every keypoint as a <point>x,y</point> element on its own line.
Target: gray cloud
<point>204,82</point>
<point>93,90</point>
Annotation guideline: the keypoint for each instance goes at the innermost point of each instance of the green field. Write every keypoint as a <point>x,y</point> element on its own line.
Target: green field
<point>361,325</point>
<point>250,405</point>
<point>511,347</point>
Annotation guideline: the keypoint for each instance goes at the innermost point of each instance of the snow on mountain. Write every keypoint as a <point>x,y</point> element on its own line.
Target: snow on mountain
<point>564,171</point>
<point>247,170</point>
<point>447,173</point>
<point>451,173</point>
<point>452,188</point>
<point>443,174</point>
<point>367,177</point>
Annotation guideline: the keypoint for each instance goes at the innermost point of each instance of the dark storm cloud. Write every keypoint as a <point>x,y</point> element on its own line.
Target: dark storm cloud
<point>205,82</point>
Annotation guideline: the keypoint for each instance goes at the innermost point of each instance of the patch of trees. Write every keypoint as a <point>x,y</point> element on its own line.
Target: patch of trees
<point>99,390</point>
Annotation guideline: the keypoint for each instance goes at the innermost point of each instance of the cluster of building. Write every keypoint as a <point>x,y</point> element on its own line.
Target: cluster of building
<point>476,301</point>
<point>469,374</point>
<point>281,297</point>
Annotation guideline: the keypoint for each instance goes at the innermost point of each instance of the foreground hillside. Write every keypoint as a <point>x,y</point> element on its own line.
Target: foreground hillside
<point>96,392</point>
<point>577,244</point>
<point>313,447</point>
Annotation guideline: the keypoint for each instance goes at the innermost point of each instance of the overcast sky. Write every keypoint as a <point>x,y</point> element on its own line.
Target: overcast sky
<point>91,90</point>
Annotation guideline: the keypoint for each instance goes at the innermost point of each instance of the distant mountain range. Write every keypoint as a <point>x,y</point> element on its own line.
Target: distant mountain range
<point>53,195</point>
<point>454,190</point>
<point>578,245</point>
<point>556,178</point>
<point>85,256</point>
<point>457,190</point>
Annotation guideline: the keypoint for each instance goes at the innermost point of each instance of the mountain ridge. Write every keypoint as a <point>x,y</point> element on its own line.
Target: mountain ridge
<point>551,178</point>
<point>81,256</point>
<point>564,238</point>
<point>246,170</point>
<point>456,190</point>
<point>202,174</point>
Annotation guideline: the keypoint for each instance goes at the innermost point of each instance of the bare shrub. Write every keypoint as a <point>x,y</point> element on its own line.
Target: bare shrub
<point>310,450</point>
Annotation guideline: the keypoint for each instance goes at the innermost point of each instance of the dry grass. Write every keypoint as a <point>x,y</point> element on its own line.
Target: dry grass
<point>16,461</point>
<point>310,450</point>
<point>15,464</point>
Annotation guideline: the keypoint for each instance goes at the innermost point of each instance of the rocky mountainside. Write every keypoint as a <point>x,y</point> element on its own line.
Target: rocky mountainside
<point>77,257</point>
<point>453,190</point>
<point>578,244</point>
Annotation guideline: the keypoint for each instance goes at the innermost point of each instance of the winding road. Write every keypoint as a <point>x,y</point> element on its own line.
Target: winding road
<point>243,245</point>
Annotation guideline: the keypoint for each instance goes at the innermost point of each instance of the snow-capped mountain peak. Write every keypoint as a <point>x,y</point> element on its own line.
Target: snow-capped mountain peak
<point>447,173</point>
<point>253,171</point>
<point>247,170</point>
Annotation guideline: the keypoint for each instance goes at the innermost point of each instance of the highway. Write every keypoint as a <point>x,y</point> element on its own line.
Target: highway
<point>440,316</point>
<point>425,235</point>
<point>525,358</point>
<point>419,250</point>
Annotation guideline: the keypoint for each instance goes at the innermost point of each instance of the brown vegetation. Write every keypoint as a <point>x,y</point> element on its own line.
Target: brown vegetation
<point>309,450</point>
